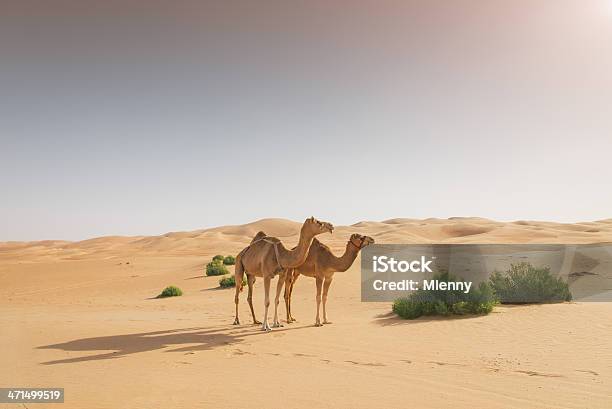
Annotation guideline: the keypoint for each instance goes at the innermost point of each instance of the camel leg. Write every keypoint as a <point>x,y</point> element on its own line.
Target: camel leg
<point>239,274</point>
<point>250,282</point>
<point>265,326</point>
<point>288,281</point>
<point>279,286</point>
<point>319,285</point>
<point>293,280</point>
<point>326,285</point>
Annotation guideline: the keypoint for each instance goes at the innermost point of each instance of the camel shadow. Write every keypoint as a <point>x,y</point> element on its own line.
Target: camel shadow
<point>196,277</point>
<point>199,339</point>
<point>391,319</point>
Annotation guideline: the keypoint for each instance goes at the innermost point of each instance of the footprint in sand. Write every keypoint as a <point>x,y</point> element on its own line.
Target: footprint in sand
<point>365,363</point>
<point>241,352</point>
<point>545,375</point>
<point>444,363</point>
<point>587,371</point>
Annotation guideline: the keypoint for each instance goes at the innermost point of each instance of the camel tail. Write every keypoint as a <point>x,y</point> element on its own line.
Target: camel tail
<point>239,271</point>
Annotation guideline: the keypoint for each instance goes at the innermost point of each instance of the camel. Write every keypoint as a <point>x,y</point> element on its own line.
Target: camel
<point>321,264</point>
<point>267,257</point>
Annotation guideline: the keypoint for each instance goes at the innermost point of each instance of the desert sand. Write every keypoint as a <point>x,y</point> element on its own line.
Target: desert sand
<point>82,316</point>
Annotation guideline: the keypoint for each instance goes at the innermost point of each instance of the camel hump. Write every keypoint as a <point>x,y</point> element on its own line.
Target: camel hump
<point>315,243</point>
<point>260,235</point>
<point>318,245</point>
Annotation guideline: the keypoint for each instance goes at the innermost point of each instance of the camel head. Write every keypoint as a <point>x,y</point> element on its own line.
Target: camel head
<point>314,226</point>
<point>360,241</point>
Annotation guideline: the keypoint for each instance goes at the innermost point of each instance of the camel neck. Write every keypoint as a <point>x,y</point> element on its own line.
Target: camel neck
<point>345,261</point>
<point>297,256</point>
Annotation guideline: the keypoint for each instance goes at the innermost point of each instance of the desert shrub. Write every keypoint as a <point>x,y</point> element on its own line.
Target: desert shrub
<point>524,283</point>
<point>218,258</point>
<point>170,291</point>
<point>216,268</point>
<point>229,260</point>
<point>227,282</point>
<point>479,300</point>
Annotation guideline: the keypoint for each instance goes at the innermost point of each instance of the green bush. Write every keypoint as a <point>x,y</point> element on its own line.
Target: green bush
<point>229,260</point>
<point>218,258</point>
<point>227,282</point>
<point>480,300</point>
<point>171,291</point>
<point>524,283</point>
<point>216,268</point>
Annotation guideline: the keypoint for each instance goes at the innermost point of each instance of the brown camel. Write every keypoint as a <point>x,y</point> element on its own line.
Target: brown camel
<point>321,264</point>
<point>266,257</point>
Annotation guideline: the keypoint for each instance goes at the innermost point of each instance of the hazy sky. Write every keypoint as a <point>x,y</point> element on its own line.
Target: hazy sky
<point>142,117</point>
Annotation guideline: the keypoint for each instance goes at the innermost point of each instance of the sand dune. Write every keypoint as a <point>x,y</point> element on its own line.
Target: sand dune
<point>233,238</point>
<point>80,315</point>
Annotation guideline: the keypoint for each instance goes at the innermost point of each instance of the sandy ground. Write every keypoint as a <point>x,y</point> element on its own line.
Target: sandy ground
<point>77,316</point>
